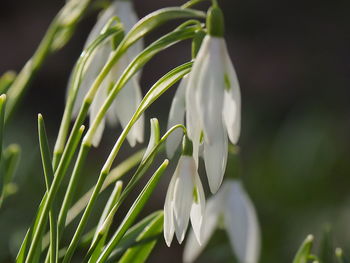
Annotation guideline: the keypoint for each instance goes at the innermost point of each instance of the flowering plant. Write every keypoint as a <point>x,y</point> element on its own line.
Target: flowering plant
<point>104,86</point>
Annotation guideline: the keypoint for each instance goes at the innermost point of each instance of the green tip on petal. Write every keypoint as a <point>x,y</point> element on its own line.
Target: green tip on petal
<point>215,21</point>
<point>187,146</point>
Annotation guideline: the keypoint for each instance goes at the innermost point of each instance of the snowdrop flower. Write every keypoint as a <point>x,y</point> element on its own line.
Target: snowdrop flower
<point>184,200</point>
<point>130,96</point>
<point>232,208</point>
<point>212,101</point>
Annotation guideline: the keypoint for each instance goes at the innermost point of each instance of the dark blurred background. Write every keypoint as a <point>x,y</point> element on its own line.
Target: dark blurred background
<point>293,62</point>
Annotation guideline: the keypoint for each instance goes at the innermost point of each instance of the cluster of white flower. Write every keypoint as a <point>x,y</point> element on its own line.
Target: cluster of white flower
<point>209,97</point>
<point>208,102</point>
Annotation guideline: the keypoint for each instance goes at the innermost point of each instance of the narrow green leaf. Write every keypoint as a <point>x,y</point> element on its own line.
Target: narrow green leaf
<point>304,250</point>
<point>45,152</point>
<point>133,212</point>
<point>145,242</point>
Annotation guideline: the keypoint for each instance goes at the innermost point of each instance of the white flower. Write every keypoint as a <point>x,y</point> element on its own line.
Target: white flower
<point>185,199</point>
<point>213,106</point>
<point>233,207</point>
<point>130,96</point>
<point>212,101</point>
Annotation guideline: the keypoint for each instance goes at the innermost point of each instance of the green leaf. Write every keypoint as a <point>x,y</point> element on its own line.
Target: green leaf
<point>145,242</point>
<point>304,251</point>
<point>133,212</point>
<point>45,152</point>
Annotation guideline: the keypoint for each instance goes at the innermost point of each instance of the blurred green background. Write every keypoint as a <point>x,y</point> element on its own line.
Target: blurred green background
<point>293,62</point>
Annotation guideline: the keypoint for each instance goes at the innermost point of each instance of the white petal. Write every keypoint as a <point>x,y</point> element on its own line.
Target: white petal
<point>176,116</point>
<point>183,195</point>
<point>95,108</point>
<point>213,210</point>
<point>126,103</point>
<point>215,158</point>
<point>241,223</point>
<point>210,93</point>
<point>126,13</point>
<point>198,209</point>
<point>232,101</point>
<point>192,116</point>
<point>169,228</point>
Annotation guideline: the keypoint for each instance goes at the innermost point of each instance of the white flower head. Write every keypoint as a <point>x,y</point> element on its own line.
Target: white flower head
<point>234,206</point>
<point>184,200</point>
<point>130,96</point>
<point>211,98</point>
